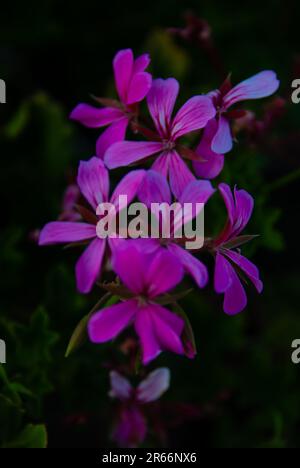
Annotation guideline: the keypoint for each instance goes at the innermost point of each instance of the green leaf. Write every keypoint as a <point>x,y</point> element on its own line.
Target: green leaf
<point>79,336</point>
<point>188,337</point>
<point>277,440</point>
<point>13,389</point>
<point>32,436</point>
<point>21,389</point>
<point>240,240</point>
<point>20,119</point>
<point>36,338</point>
<point>172,298</point>
<point>34,351</point>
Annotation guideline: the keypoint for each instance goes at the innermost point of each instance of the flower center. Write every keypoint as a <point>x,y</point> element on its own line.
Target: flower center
<point>142,300</point>
<point>168,145</point>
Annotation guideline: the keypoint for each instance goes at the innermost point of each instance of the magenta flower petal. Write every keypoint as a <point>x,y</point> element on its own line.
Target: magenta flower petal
<point>227,281</point>
<point>115,132</point>
<point>144,328</point>
<point>70,198</point>
<point>214,163</point>
<point>229,201</point>
<point>139,87</point>
<point>141,63</point>
<point>168,328</point>
<point>162,163</point>
<point>109,322</point>
<point>131,428</point>
<point>163,273</point>
<point>235,299</point>
<point>222,141</point>
<point>119,386</point>
<point>89,265</point>
<point>115,243</point>
<point>179,174</point>
<point>261,85</point>
<point>244,206</point>
<point>130,264</point>
<point>155,189</point>
<point>94,117</point>
<point>127,152</point>
<point>222,276</point>
<point>128,186</point>
<point>194,114</point>
<point>123,67</point>
<point>197,191</point>
<point>161,100</point>
<point>210,168</point>
<point>191,265</point>
<point>146,246</point>
<point>239,208</point>
<point>154,386</point>
<point>145,273</point>
<point>247,267</point>
<point>93,181</point>
<point>65,231</point>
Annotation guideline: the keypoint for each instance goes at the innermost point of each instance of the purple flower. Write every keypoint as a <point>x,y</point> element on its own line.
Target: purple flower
<point>217,137</point>
<point>70,198</point>
<point>147,276</point>
<point>131,425</point>
<point>68,212</point>
<point>132,83</point>
<point>193,115</point>
<point>229,262</point>
<point>155,188</point>
<point>93,181</point>
<point>213,162</point>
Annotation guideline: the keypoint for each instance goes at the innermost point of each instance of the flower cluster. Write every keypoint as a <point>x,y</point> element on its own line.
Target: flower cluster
<point>147,270</point>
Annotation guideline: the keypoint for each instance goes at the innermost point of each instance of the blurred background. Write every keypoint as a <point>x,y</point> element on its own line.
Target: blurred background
<point>242,390</point>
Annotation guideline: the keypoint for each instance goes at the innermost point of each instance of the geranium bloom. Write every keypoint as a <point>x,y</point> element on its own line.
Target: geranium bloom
<point>93,181</point>
<point>217,137</point>
<point>193,115</point>
<point>229,262</point>
<point>70,198</point>
<point>68,212</point>
<point>131,425</point>
<point>132,83</point>
<point>146,276</point>
<point>213,162</point>
<point>155,189</point>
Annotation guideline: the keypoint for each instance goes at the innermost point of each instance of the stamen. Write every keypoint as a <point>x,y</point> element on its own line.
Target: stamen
<point>169,145</point>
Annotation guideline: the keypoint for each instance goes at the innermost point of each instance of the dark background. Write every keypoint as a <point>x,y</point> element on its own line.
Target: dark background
<point>242,390</point>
